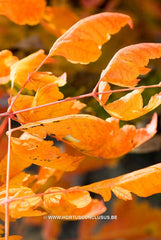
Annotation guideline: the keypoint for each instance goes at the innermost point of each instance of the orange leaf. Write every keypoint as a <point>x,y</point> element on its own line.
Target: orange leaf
<point>41,79</point>
<point>103,87</point>
<point>143,183</point>
<point>52,157</point>
<point>90,163</point>
<point>44,95</point>
<point>17,164</point>
<point>21,179</point>
<point>6,61</point>
<point>94,208</point>
<point>23,11</point>
<point>93,136</point>
<point>83,41</point>
<point>121,193</point>
<point>51,90</point>
<point>131,105</point>
<point>21,208</point>
<point>23,102</point>
<point>46,178</point>
<point>33,150</point>
<point>72,202</point>
<point>63,203</point>
<point>129,62</point>
<point>58,19</point>
<point>20,71</point>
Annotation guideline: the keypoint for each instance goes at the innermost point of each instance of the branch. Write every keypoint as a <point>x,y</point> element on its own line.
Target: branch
<point>7,182</point>
<point>92,94</point>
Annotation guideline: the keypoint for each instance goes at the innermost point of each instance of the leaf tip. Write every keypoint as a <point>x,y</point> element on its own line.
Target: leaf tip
<point>152,126</point>
<point>130,23</point>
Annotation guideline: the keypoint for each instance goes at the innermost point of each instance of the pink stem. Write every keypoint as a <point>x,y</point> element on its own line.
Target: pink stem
<point>53,103</point>
<point>92,94</point>
<point>7,182</point>
<point>95,88</point>
<point>11,104</point>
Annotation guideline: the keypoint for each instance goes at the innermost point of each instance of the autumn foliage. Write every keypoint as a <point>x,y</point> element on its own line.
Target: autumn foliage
<point>56,133</point>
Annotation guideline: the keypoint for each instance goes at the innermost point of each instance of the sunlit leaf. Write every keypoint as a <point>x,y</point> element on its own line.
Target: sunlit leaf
<point>61,203</point>
<point>131,105</point>
<point>52,157</point>
<point>23,11</point>
<point>46,178</point>
<point>121,193</point>
<point>17,164</point>
<point>129,62</point>
<point>93,136</point>
<point>41,79</point>
<point>72,202</point>
<point>83,41</point>
<point>103,87</point>
<point>94,208</point>
<point>91,163</point>
<point>21,179</point>
<point>143,183</point>
<point>20,71</point>
<point>47,94</point>
<point>21,208</point>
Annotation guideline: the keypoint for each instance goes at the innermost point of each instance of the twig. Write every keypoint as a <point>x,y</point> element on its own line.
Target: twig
<point>7,182</point>
<point>25,84</point>
<point>92,94</point>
